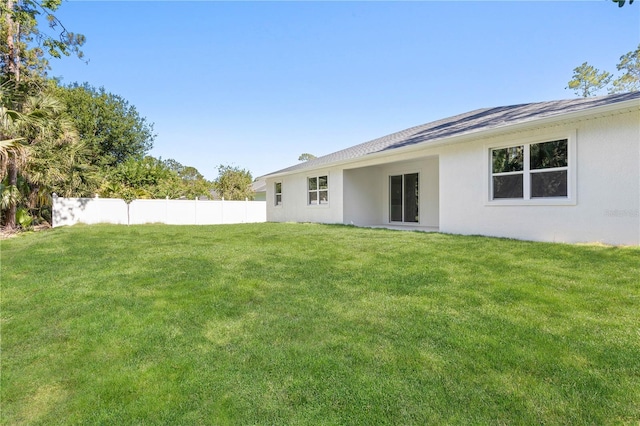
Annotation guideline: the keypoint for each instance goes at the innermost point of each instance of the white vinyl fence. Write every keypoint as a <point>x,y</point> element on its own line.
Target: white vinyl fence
<point>69,211</point>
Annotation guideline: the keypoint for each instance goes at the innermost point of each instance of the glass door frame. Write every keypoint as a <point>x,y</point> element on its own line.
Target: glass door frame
<point>403,200</point>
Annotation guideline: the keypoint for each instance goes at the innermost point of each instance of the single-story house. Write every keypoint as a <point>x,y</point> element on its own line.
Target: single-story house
<point>564,171</point>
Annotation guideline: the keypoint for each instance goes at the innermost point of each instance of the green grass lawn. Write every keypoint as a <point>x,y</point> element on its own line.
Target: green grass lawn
<point>315,324</point>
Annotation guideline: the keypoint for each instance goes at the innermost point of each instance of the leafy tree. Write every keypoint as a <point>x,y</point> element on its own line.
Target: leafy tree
<point>23,62</point>
<point>629,81</point>
<point>588,80</point>
<point>233,183</point>
<point>306,157</point>
<point>111,128</point>
<point>111,132</point>
<point>14,152</point>
<point>135,178</point>
<point>622,2</point>
<point>40,121</point>
<point>173,165</point>
<point>186,173</point>
<point>65,169</point>
<point>192,183</point>
<point>26,49</point>
<point>151,177</point>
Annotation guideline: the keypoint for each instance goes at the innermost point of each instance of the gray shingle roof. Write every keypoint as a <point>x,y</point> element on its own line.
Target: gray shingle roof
<point>470,122</point>
<point>259,185</point>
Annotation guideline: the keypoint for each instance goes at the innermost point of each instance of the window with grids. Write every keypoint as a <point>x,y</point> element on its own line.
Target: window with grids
<point>530,171</point>
<point>318,190</point>
<point>278,193</point>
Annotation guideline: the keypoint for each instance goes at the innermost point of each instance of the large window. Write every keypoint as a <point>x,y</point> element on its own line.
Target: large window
<point>403,198</point>
<point>278,193</point>
<point>530,171</point>
<point>318,190</point>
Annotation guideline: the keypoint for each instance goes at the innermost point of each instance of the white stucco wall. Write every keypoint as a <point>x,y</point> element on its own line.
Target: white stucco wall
<point>358,196</point>
<point>607,198</point>
<point>294,207</point>
<point>364,196</point>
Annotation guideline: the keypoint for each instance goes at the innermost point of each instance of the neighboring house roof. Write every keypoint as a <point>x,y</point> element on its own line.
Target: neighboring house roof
<point>463,124</point>
<point>259,185</point>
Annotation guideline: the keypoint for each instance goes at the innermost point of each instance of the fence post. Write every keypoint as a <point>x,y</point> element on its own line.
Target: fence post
<point>54,208</point>
<point>195,211</point>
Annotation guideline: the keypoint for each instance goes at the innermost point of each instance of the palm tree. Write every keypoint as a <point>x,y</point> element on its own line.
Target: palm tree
<point>12,150</point>
<point>25,121</point>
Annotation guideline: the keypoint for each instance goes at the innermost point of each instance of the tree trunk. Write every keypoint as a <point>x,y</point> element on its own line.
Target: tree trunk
<point>12,30</point>
<point>12,173</point>
<point>13,63</point>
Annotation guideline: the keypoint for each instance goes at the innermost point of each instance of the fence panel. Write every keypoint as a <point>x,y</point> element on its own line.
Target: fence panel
<point>69,211</point>
<point>147,211</point>
<point>210,212</point>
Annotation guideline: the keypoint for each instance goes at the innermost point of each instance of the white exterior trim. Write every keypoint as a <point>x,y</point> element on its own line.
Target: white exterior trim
<point>318,190</point>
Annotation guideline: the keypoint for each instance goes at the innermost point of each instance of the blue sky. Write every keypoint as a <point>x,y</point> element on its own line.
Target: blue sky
<point>255,84</point>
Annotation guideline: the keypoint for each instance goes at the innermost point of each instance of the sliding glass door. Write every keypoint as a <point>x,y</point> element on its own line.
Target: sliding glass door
<point>403,198</point>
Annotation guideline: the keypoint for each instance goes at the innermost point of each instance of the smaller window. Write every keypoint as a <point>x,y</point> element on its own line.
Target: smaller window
<point>549,165</point>
<point>508,172</point>
<point>318,190</point>
<point>506,160</point>
<point>278,192</point>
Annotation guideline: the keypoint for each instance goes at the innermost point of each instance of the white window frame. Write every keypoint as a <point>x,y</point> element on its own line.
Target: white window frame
<point>317,190</point>
<point>277,196</point>
<point>527,200</point>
